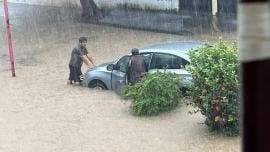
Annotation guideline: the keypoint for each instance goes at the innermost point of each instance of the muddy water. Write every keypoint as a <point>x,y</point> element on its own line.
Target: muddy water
<point>39,112</point>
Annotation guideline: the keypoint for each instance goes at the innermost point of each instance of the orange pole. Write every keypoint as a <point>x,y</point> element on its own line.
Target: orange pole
<point>11,56</point>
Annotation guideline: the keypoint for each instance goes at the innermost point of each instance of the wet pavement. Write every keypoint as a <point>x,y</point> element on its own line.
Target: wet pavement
<point>39,112</point>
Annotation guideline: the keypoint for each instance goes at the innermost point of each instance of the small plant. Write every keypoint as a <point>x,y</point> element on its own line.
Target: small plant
<point>215,90</point>
<point>154,93</point>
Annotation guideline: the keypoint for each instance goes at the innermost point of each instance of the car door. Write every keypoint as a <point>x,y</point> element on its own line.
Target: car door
<point>119,74</point>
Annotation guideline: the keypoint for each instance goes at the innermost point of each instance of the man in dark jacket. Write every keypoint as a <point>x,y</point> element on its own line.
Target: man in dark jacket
<point>137,66</point>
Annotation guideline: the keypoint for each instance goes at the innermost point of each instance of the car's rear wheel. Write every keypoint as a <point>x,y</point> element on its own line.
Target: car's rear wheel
<point>97,85</point>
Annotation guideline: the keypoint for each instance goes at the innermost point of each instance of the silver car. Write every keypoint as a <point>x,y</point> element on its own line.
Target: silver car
<point>171,56</point>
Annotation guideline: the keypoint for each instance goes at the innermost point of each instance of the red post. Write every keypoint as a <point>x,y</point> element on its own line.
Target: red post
<point>9,39</point>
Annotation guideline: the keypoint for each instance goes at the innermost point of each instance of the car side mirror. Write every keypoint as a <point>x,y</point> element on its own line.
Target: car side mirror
<point>110,67</point>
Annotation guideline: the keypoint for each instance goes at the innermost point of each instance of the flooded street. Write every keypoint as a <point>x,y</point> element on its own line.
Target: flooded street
<point>39,112</point>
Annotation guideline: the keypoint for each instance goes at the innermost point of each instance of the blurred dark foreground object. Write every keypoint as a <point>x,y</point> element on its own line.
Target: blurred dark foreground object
<point>255,62</point>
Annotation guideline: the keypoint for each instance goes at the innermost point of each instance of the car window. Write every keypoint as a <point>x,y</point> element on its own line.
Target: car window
<point>184,62</point>
<point>122,64</point>
<point>161,61</point>
<point>147,58</point>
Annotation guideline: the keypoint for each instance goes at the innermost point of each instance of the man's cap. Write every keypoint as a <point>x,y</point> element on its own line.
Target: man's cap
<point>135,51</point>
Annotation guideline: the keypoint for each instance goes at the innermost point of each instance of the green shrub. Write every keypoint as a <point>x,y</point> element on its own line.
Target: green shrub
<point>154,93</point>
<point>215,90</point>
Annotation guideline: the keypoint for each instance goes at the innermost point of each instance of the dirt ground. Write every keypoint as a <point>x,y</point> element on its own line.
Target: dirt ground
<point>40,113</point>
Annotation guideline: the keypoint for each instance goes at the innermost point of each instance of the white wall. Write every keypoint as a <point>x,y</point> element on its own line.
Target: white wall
<point>48,2</point>
<point>159,4</point>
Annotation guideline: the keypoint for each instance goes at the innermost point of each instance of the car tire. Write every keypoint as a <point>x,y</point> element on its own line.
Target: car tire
<point>98,86</point>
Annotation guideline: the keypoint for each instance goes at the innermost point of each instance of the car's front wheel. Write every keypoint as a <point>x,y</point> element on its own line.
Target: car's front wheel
<point>98,85</point>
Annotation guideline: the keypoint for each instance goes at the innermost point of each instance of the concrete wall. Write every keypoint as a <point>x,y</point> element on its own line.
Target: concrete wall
<point>155,4</point>
<point>48,2</point>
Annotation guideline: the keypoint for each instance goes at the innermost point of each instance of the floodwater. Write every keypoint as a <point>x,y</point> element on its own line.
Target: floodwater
<point>39,112</point>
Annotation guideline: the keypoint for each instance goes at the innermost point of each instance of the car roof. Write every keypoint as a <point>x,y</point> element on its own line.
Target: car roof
<point>178,48</point>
